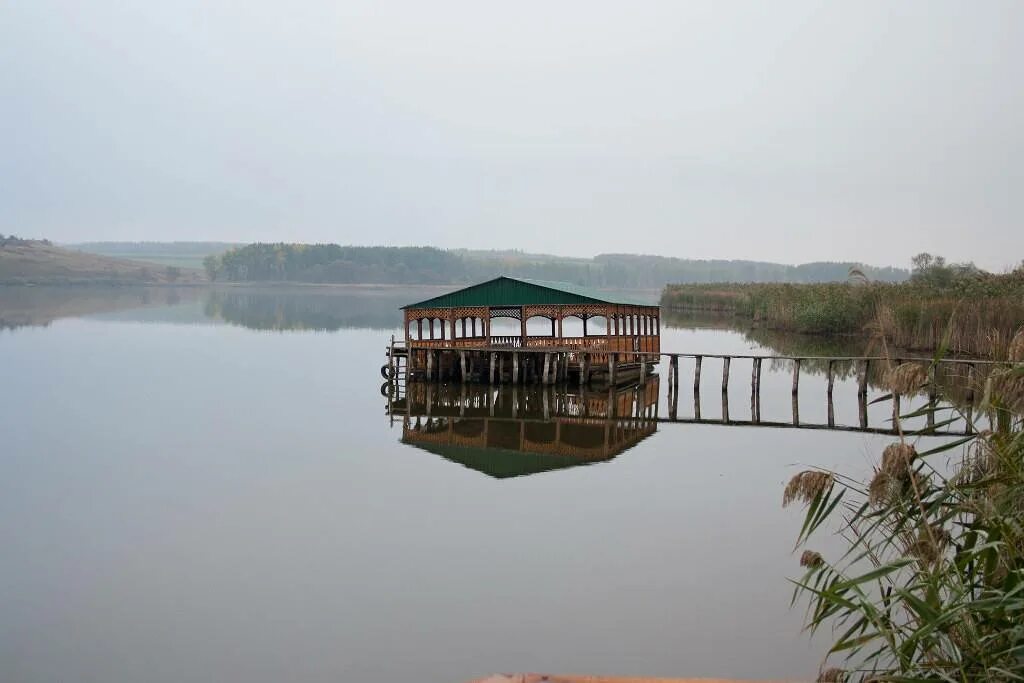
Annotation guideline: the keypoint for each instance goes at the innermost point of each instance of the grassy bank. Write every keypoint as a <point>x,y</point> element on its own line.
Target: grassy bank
<point>986,310</point>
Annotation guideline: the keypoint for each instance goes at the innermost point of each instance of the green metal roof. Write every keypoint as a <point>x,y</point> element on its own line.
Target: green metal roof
<point>509,291</point>
<point>503,463</point>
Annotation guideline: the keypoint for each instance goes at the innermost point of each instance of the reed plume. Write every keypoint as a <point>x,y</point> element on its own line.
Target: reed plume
<point>907,378</point>
<point>809,558</point>
<point>806,486</point>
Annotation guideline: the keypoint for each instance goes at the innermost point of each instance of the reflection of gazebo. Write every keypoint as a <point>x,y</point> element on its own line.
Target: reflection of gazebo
<point>514,438</point>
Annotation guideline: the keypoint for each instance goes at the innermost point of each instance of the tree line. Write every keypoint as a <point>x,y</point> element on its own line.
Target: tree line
<point>332,263</point>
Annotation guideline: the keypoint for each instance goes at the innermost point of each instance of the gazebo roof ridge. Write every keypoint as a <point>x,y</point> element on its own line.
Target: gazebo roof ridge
<point>516,291</point>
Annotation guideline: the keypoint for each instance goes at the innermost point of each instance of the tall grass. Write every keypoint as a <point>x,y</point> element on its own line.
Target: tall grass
<point>930,585</point>
<point>986,309</point>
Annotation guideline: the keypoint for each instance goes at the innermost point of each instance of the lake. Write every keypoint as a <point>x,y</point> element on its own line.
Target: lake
<point>205,485</point>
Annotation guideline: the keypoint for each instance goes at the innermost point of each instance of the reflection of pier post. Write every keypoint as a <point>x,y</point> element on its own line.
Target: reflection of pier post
<point>862,394</point>
<point>796,391</point>
<point>933,397</point>
<point>755,391</point>
<point>969,415</point>
<point>673,390</point>
<point>515,368</point>
<point>726,362</point>
<point>831,403</point>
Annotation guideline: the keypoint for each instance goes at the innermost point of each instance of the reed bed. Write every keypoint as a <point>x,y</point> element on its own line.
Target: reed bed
<point>982,313</point>
<point>930,584</point>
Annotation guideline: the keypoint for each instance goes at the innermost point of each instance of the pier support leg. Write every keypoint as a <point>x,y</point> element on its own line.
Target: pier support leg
<point>726,362</point>
<point>613,365</point>
<point>584,369</point>
<point>862,394</point>
<point>430,365</point>
<point>547,368</point>
<point>492,367</point>
<point>462,363</point>
<point>699,360</point>
<point>515,368</point>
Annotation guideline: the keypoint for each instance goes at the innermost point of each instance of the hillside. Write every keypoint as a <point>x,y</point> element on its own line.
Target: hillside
<point>180,254</point>
<point>39,262</point>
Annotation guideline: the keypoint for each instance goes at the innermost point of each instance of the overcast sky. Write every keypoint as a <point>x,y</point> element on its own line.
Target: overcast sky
<point>785,131</point>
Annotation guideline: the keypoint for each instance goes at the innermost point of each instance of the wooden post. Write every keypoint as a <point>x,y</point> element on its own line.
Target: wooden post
<point>501,369</point>
<point>696,374</point>
<point>430,365</point>
<point>673,375</point>
<point>613,363</point>
<point>491,369</point>
<point>725,407</point>
<point>726,362</point>
<point>895,411</point>
<point>515,368</point>
<point>643,369</point>
<point>796,376</point>
<point>462,363</point>
<point>546,378</point>
<point>584,369</point>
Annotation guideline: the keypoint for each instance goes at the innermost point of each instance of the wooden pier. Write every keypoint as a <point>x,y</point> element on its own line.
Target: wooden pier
<point>570,369</point>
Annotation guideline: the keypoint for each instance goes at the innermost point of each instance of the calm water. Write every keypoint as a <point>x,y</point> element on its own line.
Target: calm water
<point>202,486</point>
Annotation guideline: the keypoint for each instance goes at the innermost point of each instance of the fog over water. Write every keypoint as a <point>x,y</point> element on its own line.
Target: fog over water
<point>791,131</point>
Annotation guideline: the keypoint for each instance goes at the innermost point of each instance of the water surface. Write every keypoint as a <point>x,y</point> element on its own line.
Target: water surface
<point>205,486</point>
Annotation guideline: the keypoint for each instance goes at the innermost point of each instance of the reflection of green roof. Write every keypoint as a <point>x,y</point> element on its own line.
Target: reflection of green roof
<point>508,291</point>
<point>502,463</point>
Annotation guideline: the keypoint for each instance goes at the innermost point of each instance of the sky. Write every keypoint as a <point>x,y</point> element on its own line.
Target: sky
<point>788,131</point>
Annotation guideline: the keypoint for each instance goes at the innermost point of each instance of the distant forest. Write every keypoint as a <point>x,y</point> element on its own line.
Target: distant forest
<point>331,263</point>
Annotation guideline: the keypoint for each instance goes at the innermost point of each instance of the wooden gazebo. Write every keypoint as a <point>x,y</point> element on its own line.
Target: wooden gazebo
<point>616,330</point>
